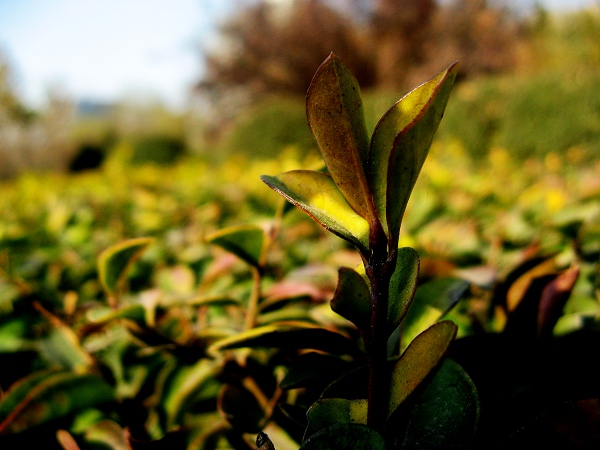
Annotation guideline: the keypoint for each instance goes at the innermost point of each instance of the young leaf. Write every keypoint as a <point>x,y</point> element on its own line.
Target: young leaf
<point>330,411</point>
<point>403,286</point>
<point>317,195</point>
<point>116,260</point>
<point>419,359</point>
<point>352,298</point>
<point>246,242</point>
<point>400,144</point>
<point>335,116</point>
<point>446,413</point>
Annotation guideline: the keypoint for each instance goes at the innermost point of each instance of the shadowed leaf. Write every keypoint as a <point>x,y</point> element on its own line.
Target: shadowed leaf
<point>446,413</point>
<point>317,195</point>
<point>400,144</point>
<point>335,116</point>
<point>246,242</point>
<point>116,260</point>
<point>403,286</point>
<point>352,298</point>
<point>419,359</point>
<point>288,337</point>
<point>345,436</point>
<point>330,411</point>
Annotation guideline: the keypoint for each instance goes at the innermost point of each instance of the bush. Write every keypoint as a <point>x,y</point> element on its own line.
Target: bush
<point>265,129</point>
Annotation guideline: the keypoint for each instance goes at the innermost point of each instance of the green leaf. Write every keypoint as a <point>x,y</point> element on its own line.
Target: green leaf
<point>345,436</point>
<point>317,195</point>
<point>246,242</point>
<point>403,286</point>
<point>289,337</point>
<point>330,411</point>
<point>352,298</point>
<point>446,413</point>
<point>49,395</point>
<point>400,144</point>
<point>183,388</point>
<point>420,358</point>
<point>335,116</point>
<point>135,312</point>
<point>116,260</point>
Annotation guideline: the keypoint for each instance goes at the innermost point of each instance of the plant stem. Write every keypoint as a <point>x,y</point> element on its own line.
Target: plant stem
<point>252,311</point>
<point>379,268</point>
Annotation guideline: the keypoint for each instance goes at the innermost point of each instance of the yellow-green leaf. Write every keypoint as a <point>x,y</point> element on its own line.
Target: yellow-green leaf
<point>400,144</point>
<point>317,195</point>
<point>246,242</point>
<point>335,115</point>
<point>418,360</point>
<point>116,260</point>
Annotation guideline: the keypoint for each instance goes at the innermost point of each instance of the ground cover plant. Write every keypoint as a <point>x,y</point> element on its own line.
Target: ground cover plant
<point>188,307</point>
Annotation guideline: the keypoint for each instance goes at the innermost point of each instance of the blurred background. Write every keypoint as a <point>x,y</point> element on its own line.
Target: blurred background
<point>155,118</point>
<point>154,81</point>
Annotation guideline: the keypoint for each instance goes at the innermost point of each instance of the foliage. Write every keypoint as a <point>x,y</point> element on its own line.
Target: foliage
<point>270,48</point>
<point>204,349</point>
<point>531,115</point>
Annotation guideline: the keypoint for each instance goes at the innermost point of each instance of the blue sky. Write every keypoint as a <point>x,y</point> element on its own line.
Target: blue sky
<point>109,49</point>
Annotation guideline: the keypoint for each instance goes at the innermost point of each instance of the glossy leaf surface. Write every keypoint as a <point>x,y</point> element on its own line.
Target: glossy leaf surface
<point>400,144</point>
<point>352,298</point>
<point>419,359</point>
<point>446,413</point>
<point>335,116</point>
<point>317,195</point>
<point>245,242</point>
<point>116,260</point>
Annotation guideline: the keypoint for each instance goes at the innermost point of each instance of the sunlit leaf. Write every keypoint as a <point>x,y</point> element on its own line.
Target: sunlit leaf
<point>400,144</point>
<point>48,395</point>
<point>317,195</point>
<point>335,115</point>
<point>403,286</point>
<point>517,290</point>
<point>432,300</point>
<point>445,414</point>
<point>246,242</point>
<point>345,436</point>
<point>352,298</point>
<point>135,312</point>
<point>330,411</point>
<point>422,355</point>
<point>116,260</point>
<point>183,387</point>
